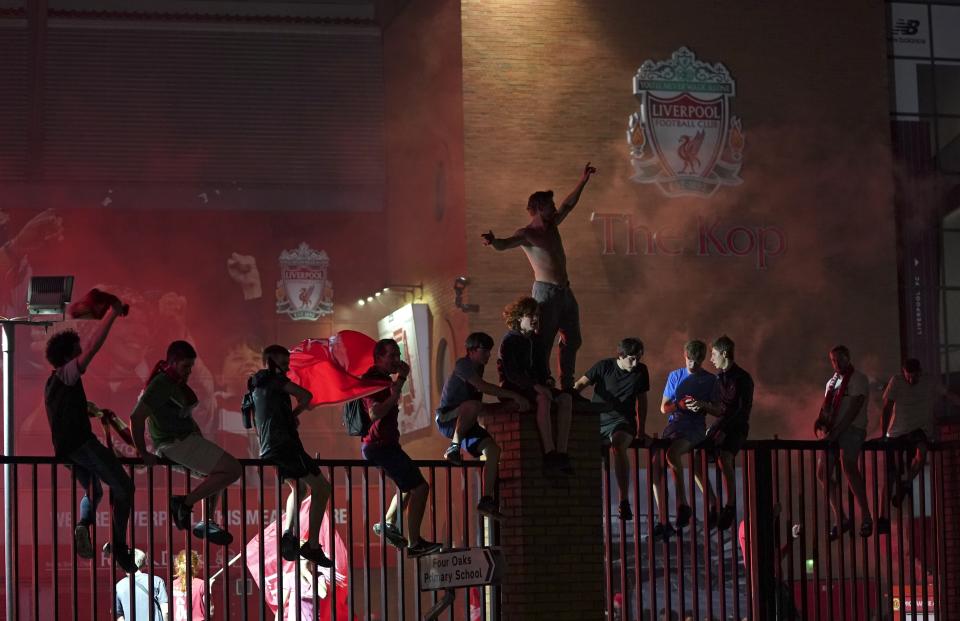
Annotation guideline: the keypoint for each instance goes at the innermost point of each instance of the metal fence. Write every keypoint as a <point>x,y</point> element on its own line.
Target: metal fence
<point>374,582</point>
<point>778,561</point>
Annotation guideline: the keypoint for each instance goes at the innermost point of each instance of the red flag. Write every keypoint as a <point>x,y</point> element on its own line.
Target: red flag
<point>95,305</point>
<point>270,569</point>
<point>331,368</point>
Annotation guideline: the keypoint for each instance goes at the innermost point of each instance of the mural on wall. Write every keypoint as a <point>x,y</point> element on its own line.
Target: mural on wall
<point>684,139</point>
<point>409,326</point>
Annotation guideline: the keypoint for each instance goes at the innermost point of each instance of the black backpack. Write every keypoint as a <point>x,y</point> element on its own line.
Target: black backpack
<point>356,419</point>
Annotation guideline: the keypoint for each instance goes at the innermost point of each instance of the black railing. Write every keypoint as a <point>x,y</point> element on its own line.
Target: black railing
<point>777,561</point>
<point>374,581</point>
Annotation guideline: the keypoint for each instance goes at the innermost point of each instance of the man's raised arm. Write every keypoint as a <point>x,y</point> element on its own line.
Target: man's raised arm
<point>571,200</point>
<point>99,337</point>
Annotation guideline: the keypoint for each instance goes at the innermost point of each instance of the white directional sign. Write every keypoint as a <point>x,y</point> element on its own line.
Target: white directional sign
<point>459,568</point>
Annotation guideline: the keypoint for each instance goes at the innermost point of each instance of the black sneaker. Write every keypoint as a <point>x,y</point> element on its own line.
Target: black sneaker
<point>726,518</point>
<point>684,513</point>
<point>289,546</point>
<point>565,465</point>
<point>180,512</point>
<point>489,507</point>
<point>209,530</point>
<point>883,526</point>
<point>423,547</point>
<point>626,513</point>
<point>81,538</point>
<point>662,532</point>
<point>452,455</point>
<point>391,533</point>
<point>315,553</point>
<point>124,558</point>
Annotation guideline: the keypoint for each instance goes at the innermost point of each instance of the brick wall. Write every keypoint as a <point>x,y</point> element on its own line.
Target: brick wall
<point>424,147</point>
<point>552,537</point>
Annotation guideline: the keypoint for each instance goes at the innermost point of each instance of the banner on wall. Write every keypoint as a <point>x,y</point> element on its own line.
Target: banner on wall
<point>410,328</point>
<point>684,138</point>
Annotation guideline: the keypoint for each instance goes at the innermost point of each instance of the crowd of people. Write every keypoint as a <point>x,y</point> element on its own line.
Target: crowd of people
<point>620,386</point>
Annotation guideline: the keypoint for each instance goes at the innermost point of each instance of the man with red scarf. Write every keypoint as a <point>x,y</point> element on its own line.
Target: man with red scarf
<point>843,423</point>
<point>167,405</point>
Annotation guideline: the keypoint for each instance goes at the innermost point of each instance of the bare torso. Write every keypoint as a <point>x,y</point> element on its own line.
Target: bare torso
<point>544,249</point>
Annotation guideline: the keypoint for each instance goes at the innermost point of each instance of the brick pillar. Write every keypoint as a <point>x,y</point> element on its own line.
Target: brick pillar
<point>552,537</point>
<point>951,516</point>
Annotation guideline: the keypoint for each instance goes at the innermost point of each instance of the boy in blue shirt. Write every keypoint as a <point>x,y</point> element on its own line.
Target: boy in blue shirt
<point>686,428</point>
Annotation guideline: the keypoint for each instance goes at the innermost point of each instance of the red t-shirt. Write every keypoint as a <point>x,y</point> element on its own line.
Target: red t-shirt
<point>386,430</point>
<point>180,600</point>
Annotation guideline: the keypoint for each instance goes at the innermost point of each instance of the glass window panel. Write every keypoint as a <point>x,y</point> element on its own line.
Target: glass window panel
<point>949,142</point>
<point>951,264</point>
<point>946,31</point>
<point>950,328</point>
<point>908,31</point>
<point>946,84</point>
<point>912,86</point>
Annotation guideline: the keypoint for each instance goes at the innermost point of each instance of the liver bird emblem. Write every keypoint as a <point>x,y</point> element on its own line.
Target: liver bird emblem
<point>305,293</point>
<point>689,151</point>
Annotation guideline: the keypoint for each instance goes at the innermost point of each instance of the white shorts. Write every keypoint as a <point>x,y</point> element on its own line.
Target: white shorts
<point>194,452</point>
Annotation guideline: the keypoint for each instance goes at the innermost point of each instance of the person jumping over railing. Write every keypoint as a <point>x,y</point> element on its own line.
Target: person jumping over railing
<point>621,383</point>
<point>276,422</point>
<point>74,442</point>
<point>687,429</point>
<point>461,403</point>
<point>843,423</point>
<point>166,406</point>
<point>381,447</point>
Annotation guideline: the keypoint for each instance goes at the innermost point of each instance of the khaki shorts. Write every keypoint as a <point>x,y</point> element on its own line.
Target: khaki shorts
<point>194,452</point>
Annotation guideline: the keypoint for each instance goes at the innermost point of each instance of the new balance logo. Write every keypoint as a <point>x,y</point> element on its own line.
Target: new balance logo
<point>906,27</point>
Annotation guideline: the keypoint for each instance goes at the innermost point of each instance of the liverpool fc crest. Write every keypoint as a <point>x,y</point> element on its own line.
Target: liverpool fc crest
<point>684,138</point>
<point>304,291</point>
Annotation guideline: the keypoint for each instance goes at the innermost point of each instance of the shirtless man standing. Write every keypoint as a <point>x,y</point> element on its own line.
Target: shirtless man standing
<point>541,242</point>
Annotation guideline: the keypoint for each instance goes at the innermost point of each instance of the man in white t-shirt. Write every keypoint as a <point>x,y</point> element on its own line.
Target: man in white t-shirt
<point>843,423</point>
<point>908,422</point>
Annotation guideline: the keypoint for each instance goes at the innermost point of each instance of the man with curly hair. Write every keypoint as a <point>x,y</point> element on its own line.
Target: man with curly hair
<point>522,366</point>
<point>74,441</point>
<point>543,246</point>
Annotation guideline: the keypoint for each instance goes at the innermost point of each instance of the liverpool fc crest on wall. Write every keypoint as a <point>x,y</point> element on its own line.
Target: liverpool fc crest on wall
<point>304,291</point>
<point>684,138</point>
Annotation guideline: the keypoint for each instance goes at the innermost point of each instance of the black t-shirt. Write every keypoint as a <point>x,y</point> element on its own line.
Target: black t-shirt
<point>66,405</point>
<point>273,413</point>
<point>613,385</point>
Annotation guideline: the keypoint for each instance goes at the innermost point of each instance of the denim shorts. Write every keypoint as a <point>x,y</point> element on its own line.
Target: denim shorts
<point>470,440</point>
